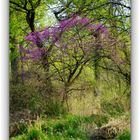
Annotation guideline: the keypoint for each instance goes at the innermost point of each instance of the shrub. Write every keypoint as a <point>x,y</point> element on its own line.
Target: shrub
<point>17,94</point>
<point>54,107</point>
<point>113,108</point>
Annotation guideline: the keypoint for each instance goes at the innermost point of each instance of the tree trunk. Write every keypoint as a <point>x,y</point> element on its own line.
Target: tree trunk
<point>14,70</point>
<point>65,97</point>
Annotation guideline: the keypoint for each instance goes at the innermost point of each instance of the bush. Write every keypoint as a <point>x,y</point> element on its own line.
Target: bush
<point>18,97</point>
<point>113,108</point>
<point>24,97</point>
<point>28,97</point>
<point>54,107</point>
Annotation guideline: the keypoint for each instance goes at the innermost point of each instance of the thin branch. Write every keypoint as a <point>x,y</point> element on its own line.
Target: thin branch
<point>37,3</point>
<point>18,5</point>
<point>18,9</point>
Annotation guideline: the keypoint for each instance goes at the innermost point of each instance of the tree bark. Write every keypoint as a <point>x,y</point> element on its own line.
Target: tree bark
<point>14,70</point>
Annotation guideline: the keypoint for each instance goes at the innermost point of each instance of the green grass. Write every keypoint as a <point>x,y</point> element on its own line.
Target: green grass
<point>69,127</point>
<point>124,136</point>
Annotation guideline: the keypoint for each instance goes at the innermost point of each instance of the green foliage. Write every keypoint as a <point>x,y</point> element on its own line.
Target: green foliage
<point>74,121</point>
<point>99,120</point>
<point>113,108</point>
<point>31,98</point>
<point>21,137</point>
<point>23,128</point>
<point>124,136</point>
<point>62,124</point>
<point>35,134</point>
<point>67,127</point>
<point>14,53</point>
<point>35,101</point>
<point>54,107</point>
<point>17,94</point>
<point>71,126</point>
<point>74,133</point>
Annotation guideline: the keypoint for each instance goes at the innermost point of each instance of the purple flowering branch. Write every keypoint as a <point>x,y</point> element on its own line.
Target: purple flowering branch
<point>53,35</point>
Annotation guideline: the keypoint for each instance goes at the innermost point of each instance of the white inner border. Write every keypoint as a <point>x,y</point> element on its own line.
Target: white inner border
<point>135,71</point>
<point>4,70</point>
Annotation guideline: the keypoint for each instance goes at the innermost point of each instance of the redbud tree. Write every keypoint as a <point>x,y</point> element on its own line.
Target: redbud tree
<point>66,48</point>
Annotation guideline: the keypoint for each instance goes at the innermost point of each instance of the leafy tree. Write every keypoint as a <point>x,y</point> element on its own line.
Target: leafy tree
<point>67,48</point>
